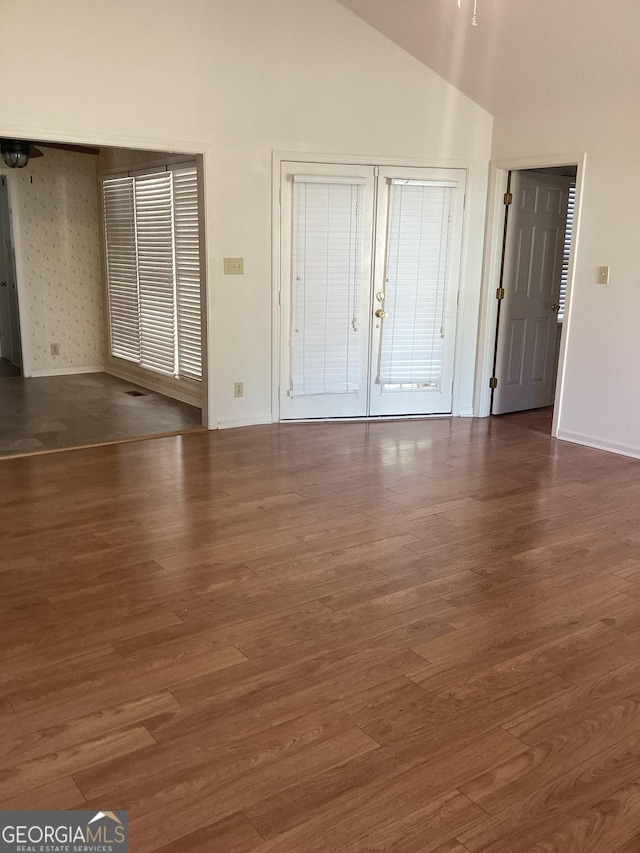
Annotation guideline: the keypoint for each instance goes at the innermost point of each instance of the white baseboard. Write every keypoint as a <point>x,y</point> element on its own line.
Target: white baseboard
<point>232,423</point>
<point>466,413</point>
<point>599,443</point>
<point>65,371</point>
<point>158,386</point>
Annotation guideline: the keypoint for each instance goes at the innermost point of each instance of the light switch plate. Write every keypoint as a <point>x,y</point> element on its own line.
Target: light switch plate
<point>603,275</point>
<point>234,266</point>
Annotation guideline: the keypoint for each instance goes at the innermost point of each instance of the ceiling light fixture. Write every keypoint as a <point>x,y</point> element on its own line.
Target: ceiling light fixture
<point>15,153</point>
<point>474,17</point>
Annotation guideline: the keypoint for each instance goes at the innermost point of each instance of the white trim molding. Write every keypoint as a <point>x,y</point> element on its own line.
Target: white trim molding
<point>232,423</point>
<point>64,371</point>
<point>166,387</point>
<point>599,443</point>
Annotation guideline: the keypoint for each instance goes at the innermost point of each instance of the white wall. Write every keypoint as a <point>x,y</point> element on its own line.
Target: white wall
<point>601,405</point>
<point>55,223</point>
<point>240,79</point>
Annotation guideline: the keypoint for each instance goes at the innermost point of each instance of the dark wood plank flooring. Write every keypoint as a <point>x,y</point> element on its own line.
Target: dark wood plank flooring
<point>327,638</point>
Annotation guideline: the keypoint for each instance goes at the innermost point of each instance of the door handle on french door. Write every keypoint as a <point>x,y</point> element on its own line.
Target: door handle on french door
<point>555,307</point>
<point>380,314</point>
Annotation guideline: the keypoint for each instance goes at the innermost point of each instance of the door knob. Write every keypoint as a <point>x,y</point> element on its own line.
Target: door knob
<point>3,283</point>
<point>555,307</point>
<point>381,314</point>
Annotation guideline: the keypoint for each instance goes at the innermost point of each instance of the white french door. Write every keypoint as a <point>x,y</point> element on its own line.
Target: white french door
<point>417,271</point>
<point>370,277</point>
<point>325,296</point>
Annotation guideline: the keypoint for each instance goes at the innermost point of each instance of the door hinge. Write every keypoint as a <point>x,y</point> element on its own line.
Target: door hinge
<point>508,198</point>
<point>500,293</point>
<point>493,382</point>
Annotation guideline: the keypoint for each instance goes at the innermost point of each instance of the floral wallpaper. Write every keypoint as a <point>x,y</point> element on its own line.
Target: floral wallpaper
<point>60,287</point>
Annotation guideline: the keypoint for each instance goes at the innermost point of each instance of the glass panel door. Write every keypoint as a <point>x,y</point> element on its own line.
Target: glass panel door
<point>362,338</point>
<point>326,290</point>
<point>419,227</point>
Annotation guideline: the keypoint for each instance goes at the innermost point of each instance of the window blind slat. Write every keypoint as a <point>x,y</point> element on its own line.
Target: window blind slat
<point>187,243</point>
<point>327,258</point>
<point>568,236</point>
<point>122,275</point>
<point>156,271</point>
<point>153,270</point>
<point>412,345</point>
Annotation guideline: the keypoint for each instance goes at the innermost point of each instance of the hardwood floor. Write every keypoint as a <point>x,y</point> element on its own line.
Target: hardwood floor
<point>413,637</point>
<point>539,420</point>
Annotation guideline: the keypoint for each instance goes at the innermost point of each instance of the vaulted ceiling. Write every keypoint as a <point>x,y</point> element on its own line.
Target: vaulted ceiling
<point>523,52</point>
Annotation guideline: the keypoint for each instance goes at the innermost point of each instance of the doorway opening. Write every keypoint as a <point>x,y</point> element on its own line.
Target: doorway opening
<point>104,250</point>
<point>532,293</point>
<point>10,344</point>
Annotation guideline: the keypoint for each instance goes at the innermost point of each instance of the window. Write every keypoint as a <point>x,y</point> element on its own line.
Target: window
<point>417,274</point>
<point>152,250</point>
<point>568,236</point>
<point>327,250</point>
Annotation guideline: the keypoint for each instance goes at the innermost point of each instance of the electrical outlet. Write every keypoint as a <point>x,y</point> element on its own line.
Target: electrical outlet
<point>55,349</point>
<point>234,266</point>
<point>238,389</point>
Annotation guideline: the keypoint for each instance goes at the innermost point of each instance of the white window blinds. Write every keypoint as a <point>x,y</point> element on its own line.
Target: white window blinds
<point>327,265</point>
<point>417,272</point>
<point>156,274</point>
<point>187,242</point>
<point>122,274</point>
<point>153,270</point>
<point>568,236</point>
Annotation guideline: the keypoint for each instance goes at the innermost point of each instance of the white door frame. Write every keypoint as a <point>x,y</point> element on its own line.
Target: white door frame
<point>278,157</point>
<point>209,344</point>
<point>498,176</point>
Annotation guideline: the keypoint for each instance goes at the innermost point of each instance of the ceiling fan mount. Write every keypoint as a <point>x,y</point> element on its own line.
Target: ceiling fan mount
<point>16,153</point>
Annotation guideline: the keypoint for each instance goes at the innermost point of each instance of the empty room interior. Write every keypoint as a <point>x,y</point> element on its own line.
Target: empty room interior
<point>81,361</point>
<point>316,537</point>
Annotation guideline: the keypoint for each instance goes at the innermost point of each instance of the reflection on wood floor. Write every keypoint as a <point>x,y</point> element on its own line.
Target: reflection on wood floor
<point>53,412</point>
<point>327,638</point>
<point>539,420</point>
